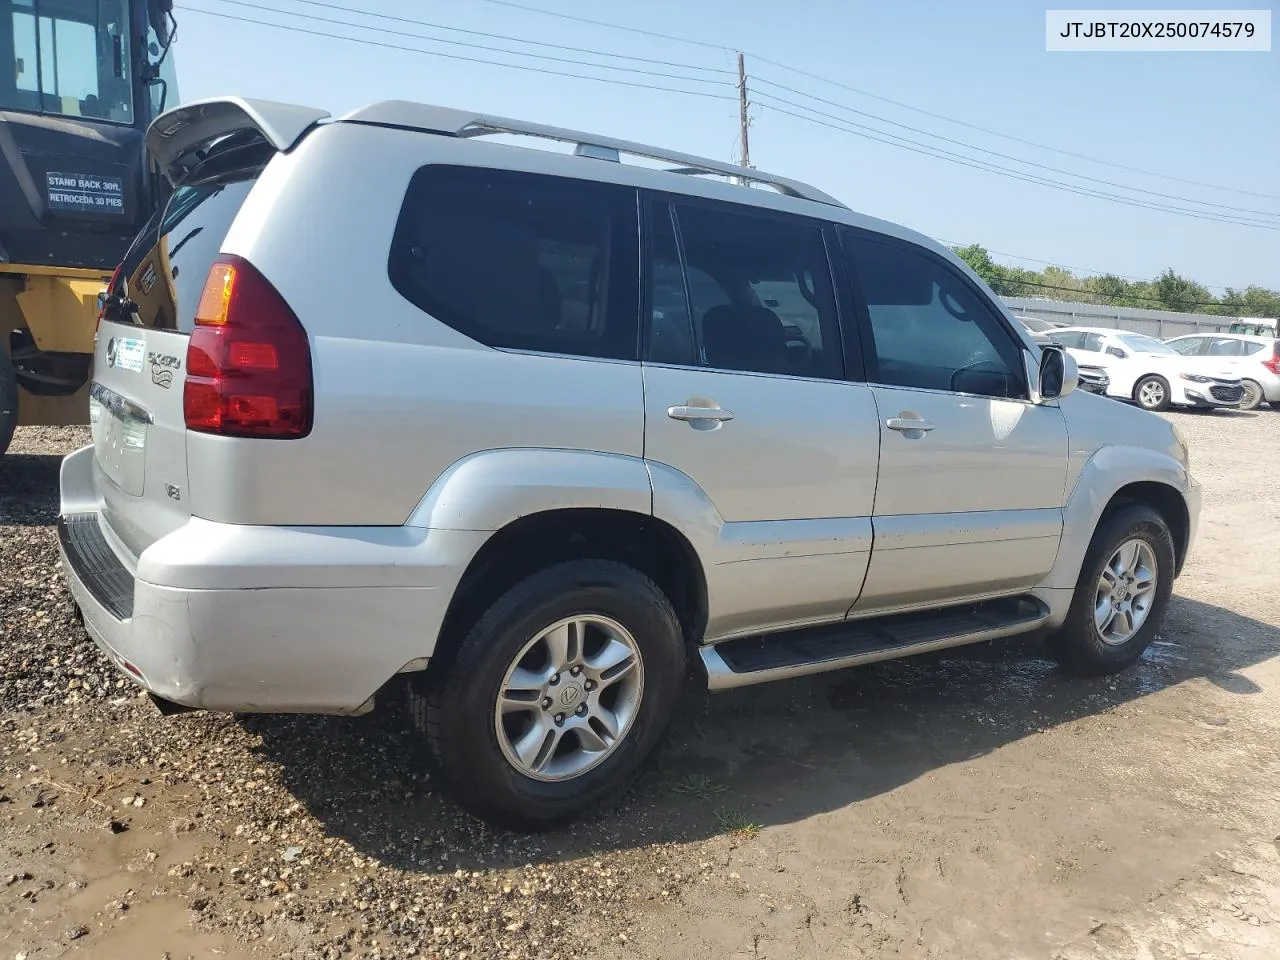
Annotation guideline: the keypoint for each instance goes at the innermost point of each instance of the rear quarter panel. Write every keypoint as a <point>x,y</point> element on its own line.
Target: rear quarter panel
<point>399,397</point>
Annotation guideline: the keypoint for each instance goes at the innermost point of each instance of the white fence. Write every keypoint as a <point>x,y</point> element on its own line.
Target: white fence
<point>1155,323</point>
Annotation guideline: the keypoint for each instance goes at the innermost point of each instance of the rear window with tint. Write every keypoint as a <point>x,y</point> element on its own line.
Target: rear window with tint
<point>167,265</point>
<point>522,261</point>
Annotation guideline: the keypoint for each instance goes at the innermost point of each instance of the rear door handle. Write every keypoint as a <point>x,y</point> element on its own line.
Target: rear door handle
<point>904,423</point>
<point>699,414</point>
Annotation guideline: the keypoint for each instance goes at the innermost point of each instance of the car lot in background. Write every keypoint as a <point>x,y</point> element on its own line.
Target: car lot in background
<point>1256,358</point>
<point>1093,379</point>
<point>1035,325</point>
<point>1151,373</point>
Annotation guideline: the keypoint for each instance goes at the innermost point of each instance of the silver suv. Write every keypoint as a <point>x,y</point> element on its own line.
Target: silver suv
<point>381,403</point>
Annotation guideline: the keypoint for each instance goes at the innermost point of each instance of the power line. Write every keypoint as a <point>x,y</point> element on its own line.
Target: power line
<point>492,36</point>
<point>884,99</point>
<point>1007,156</point>
<point>1008,136</point>
<point>847,126</point>
<point>1063,266</point>
<point>611,26</point>
<point>454,56</point>
<point>473,46</point>
<point>1106,296</point>
<point>1078,269</point>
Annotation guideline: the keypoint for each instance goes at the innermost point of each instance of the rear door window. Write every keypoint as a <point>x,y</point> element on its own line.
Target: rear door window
<point>1091,343</point>
<point>166,267</point>
<point>522,261</point>
<point>760,290</point>
<point>1071,339</point>
<point>1189,346</point>
<point>1225,347</point>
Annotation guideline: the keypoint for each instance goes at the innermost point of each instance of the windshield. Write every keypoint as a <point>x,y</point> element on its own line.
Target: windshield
<point>70,58</point>
<point>1140,344</point>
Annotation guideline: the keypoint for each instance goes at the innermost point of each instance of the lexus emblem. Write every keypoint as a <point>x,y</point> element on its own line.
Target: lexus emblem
<point>111,352</point>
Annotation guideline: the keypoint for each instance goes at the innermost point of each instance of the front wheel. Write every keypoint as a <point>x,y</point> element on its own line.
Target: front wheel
<point>1253,395</point>
<point>1121,595</point>
<point>1152,393</point>
<point>557,695</point>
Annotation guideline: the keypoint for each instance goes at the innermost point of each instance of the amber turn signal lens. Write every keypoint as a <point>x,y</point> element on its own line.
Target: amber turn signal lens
<point>215,298</point>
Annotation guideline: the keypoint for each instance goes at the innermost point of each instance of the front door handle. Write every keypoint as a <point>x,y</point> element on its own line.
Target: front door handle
<point>699,414</point>
<point>907,424</point>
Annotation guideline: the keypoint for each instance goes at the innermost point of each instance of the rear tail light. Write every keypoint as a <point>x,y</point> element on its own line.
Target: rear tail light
<point>1274,363</point>
<point>248,359</point>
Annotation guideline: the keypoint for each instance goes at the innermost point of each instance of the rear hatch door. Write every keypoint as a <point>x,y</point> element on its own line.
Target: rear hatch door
<point>139,363</point>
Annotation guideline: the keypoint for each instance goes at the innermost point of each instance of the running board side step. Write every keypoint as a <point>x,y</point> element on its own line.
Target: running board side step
<point>796,653</point>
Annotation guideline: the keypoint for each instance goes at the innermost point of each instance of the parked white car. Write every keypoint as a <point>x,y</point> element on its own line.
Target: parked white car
<point>1151,373</point>
<point>1256,359</point>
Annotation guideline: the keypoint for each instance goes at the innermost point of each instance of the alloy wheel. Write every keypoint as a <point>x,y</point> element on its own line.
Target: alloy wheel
<point>569,698</point>
<point>1125,592</point>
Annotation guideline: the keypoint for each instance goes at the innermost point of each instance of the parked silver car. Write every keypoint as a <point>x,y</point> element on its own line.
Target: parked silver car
<point>380,403</point>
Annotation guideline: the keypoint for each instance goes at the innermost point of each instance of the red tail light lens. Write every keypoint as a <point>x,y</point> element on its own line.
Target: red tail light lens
<point>248,359</point>
<point>1274,363</point>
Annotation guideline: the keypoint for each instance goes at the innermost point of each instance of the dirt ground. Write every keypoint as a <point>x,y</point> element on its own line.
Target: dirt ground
<point>974,805</point>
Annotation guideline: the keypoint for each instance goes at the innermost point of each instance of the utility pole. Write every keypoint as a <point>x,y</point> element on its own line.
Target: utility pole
<point>745,159</point>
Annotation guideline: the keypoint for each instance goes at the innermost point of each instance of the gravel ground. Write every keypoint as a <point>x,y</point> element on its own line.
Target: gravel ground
<point>972,805</point>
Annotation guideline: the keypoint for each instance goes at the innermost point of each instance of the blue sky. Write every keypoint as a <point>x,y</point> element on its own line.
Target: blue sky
<point>1206,117</point>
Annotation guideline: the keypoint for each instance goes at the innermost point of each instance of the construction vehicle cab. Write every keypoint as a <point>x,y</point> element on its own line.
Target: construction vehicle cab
<point>80,80</point>
<point>1255,326</point>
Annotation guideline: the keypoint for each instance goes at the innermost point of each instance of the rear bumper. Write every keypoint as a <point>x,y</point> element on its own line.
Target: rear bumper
<point>260,619</point>
<point>1270,384</point>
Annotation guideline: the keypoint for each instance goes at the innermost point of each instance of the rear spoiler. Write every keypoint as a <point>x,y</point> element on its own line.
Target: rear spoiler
<point>176,134</point>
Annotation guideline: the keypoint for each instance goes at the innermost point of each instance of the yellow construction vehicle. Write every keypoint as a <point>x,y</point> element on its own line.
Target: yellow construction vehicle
<point>84,79</point>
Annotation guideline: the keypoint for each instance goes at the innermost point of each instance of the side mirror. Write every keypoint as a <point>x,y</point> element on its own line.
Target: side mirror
<point>1117,352</point>
<point>1058,374</point>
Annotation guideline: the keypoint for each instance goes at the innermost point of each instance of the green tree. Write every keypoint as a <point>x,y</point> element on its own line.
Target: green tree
<point>1169,291</point>
<point>1111,289</point>
<point>1179,293</point>
<point>1259,302</point>
<point>976,256</point>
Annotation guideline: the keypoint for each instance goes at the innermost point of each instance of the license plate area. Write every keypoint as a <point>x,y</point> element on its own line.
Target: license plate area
<point>119,428</point>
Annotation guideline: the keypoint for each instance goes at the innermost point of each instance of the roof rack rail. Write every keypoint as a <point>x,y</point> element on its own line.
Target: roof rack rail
<point>462,123</point>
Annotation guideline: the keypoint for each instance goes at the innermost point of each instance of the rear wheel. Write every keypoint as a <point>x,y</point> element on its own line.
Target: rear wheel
<point>1252,395</point>
<point>1121,595</point>
<point>8,400</point>
<point>557,695</point>
<point>1152,393</point>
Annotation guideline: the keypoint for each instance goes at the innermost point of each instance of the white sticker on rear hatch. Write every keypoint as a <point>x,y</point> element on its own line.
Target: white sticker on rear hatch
<point>126,353</point>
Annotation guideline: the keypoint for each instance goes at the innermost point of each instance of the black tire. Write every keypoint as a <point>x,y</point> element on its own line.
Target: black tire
<point>1253,395</point>
<point>1163,403</point>
<point>454,707</point>
<point>8,400</point>
<point>1079,647</point>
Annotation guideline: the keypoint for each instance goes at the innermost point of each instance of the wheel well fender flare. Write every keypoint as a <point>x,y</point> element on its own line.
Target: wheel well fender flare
<point>488,490</point>
<point>1112,475</point>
